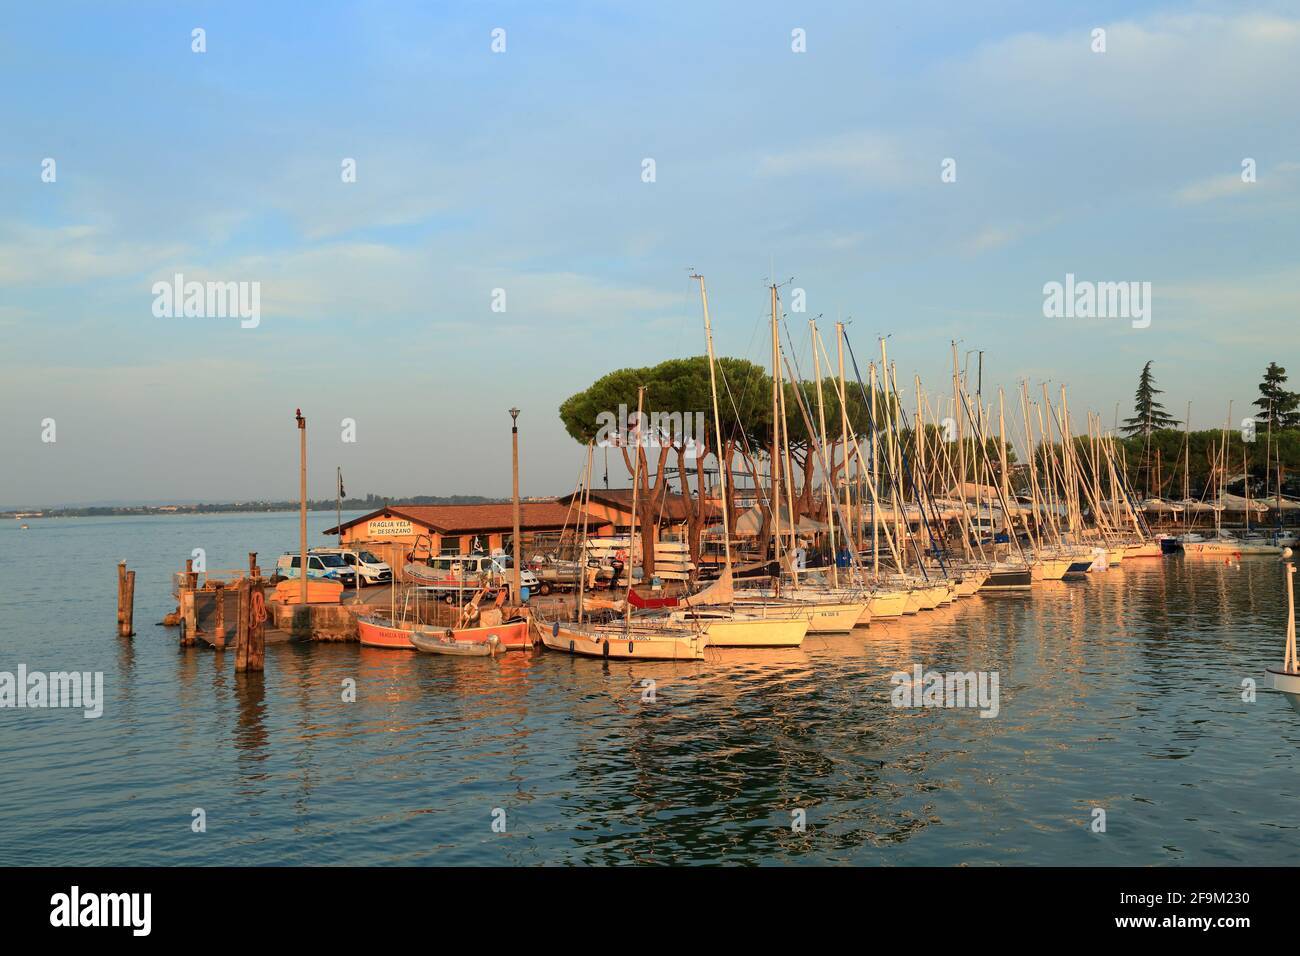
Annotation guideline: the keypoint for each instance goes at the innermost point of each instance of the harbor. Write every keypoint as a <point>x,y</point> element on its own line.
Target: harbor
<point>1122,691</point>
<point>536,439</point>
<point>965,646</point>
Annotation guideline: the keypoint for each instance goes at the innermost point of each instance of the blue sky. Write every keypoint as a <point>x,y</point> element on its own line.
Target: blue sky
<point>522,171</point>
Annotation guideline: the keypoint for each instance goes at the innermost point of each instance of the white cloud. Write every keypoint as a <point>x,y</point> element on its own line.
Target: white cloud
<point>863,157</point>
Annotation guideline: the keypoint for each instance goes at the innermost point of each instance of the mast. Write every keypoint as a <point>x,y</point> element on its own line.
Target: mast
<point>775,496</point>
<point>636,487</point>
<point>717,429</point>
<point>581,555</point>
<point>826,474</point>
<point>957,411</point>
<point>853,532</point>
<point>875,480</point>
<point>1002,454</point>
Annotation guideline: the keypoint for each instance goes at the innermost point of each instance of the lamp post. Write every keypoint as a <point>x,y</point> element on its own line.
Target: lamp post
<point>302,506</point>
<point>514,442</point>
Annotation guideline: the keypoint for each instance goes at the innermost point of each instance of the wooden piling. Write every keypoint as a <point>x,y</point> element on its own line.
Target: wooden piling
<point>125,601</point>
<point>128,626</point>
<point>121,596</point>
<point>242,624</point>
<point>189,617</point>
<point>219,620</point>
<point>256,658</point>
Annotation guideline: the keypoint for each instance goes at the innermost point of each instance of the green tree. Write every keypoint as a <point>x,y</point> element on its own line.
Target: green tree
<point>1148,414</point>
<point>1277,406</point>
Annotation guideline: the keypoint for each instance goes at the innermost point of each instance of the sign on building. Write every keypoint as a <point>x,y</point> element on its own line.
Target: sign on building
<point>388,528</point>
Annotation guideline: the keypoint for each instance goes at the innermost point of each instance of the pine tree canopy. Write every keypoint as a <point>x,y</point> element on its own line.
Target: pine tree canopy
<point>1148,414</point>
<point>1277,407</point>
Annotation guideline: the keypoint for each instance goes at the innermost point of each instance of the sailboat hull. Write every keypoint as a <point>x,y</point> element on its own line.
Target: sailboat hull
<point>1288,684</point>
<point>1148,549</point>
<point>1008,579</point>
<point>623,645</point>
<point>750,632</point>
<point>1051,569</point>
<point>888,603</point>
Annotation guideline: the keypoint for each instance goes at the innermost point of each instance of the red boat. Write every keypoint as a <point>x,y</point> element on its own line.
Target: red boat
<point>513,634</point>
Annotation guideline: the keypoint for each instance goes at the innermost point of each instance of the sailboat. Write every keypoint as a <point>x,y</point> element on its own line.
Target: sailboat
<point>624,639</point>
<point>1286,679</point>
<point>494,628</point>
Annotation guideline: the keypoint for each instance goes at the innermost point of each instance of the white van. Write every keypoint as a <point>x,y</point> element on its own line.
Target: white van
<point>370,569</point>
<point>327,567</point>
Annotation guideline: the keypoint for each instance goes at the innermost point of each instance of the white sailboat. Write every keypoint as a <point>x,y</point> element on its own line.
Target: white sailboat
<point>1286,679</point>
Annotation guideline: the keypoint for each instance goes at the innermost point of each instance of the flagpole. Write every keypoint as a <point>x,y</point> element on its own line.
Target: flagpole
<point>338,508</point>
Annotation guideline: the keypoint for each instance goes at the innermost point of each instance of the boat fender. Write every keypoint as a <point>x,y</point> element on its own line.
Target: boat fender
<point>629,647</point>
<point>570,646</point>
<point>555,632</point>
<point>604,647</point>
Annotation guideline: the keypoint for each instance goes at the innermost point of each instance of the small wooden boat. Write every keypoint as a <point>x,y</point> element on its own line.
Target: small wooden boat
<point>433,641</point>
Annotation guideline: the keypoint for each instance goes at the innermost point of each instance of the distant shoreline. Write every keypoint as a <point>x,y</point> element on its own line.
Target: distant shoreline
<point>369,503</point>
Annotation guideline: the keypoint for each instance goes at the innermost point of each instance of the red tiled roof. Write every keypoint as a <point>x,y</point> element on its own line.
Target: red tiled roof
<point>463,519</point>
<point>674,506</point>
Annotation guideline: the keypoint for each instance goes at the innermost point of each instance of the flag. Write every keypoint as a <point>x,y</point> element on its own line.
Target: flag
<point>342,493</point>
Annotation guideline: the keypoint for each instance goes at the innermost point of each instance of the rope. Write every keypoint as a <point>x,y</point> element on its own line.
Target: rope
<point>258,610</point>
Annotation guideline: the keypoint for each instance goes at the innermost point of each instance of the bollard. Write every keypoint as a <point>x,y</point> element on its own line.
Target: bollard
<point>219,622</point>
<point>128,621</point>
<point>242,625</point>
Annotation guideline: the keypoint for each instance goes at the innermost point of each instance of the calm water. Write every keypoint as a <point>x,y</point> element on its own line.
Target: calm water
<point>1122,692</point>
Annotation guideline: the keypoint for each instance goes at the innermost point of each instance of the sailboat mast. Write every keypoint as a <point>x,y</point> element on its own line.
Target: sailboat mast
<point>775,497</point>
<point>853,531</point>
<point>717,429</point>
<point>636,487</point>
<point>826,472</point>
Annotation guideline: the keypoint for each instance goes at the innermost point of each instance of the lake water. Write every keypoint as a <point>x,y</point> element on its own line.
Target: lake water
<point>1123,692</point>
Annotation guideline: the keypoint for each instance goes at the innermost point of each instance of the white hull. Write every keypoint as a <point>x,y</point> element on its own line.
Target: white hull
<point>777,627</point>
<point>1288,684</point>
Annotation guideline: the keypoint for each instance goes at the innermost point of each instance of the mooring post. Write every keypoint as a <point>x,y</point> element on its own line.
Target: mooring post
<point>219,621</point>
<point>128,619</point>
<point>257,621</point>
<point>241,625</point>
<point>189,617</point>
<point>121,596</point>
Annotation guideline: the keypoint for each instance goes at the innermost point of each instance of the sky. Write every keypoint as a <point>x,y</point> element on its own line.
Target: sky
<point>524,171</point>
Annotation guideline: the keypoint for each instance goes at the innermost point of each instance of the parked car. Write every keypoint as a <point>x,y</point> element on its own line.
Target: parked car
<point>369,568</point>
<point>330,567</point>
